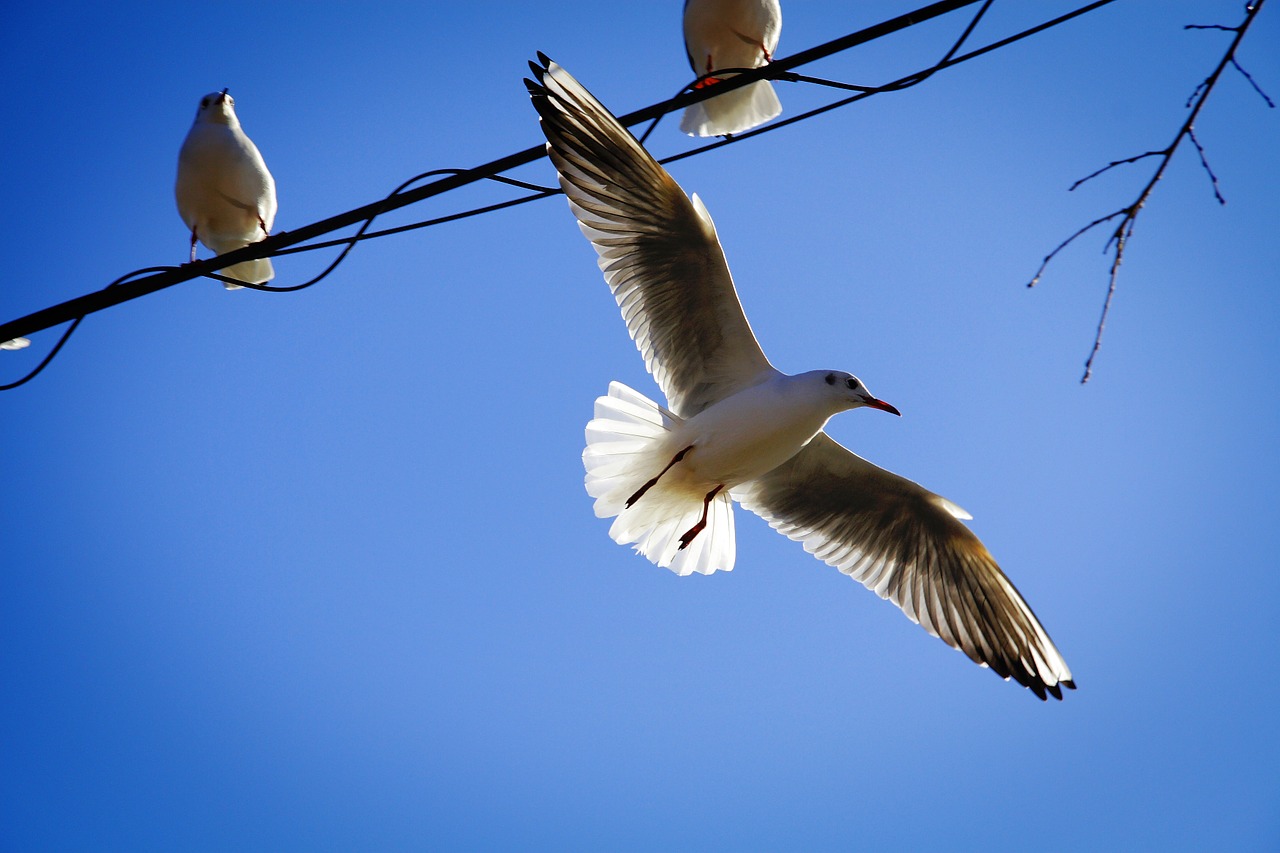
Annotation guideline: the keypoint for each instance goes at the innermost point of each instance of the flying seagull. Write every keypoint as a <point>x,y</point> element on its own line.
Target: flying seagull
<point>225,194</point>
<point>721,34</point>
<point>738,429</point>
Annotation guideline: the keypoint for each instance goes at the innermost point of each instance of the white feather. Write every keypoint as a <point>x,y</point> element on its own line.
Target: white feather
<point>225,194</point>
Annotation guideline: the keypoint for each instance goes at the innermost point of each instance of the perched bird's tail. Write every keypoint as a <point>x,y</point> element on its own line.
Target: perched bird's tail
<point>255,272</point>
<point>629,443</point>
<point>258,271</point>
<point>732,112</point>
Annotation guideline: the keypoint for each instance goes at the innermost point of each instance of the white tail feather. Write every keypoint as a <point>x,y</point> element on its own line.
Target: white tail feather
<point>257,271</point>
<point>732,112</point>
<point>628,443</point>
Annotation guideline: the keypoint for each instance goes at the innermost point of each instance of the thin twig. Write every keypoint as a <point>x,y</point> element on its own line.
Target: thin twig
<point>1195,93</point>
<point>1115,163</point>
<point>1253,83</point>
<point>1122,238</point>
<point>1036,280</point>
<point>1191,134</point>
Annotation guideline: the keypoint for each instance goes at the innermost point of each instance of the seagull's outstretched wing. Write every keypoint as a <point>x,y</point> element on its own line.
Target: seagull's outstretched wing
<point>907,545</point>
<point>658,249</point>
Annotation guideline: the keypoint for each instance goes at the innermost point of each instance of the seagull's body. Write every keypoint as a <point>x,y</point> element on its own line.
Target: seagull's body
<point>722,34</point>
<point>731,442</point>
<point>739,429</point>
<point>225,194</point>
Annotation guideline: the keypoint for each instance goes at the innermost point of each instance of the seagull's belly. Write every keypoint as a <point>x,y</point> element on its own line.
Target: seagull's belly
<point>736,459</point>
<point>205,206</point>
<point>746,436</point>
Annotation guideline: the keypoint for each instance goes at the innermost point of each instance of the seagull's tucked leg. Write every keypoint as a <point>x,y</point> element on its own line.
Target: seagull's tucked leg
<point>193,245</point>
<point>702,522</point>
<point>653,482</point>
<point>707,79</point>
<point>754,42</point>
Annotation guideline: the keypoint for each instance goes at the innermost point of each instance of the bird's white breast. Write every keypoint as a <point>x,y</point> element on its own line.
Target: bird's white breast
<point>730,31</point>
<point>223,186</point>
<point>754,431</point>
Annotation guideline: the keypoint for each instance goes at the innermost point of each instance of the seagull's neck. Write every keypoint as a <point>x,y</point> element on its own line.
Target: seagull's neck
<point>809,392</point>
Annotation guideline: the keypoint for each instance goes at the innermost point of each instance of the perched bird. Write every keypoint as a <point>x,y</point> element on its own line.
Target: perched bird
<point>738,429</point>
<point>731,34</point>
<point>225,194</point>
<point>15,344</point>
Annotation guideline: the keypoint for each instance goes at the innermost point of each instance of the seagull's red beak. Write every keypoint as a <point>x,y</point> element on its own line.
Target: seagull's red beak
<point>881,405</point>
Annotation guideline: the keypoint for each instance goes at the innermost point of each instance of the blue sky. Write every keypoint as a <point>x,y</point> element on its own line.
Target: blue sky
<point>317,571</point>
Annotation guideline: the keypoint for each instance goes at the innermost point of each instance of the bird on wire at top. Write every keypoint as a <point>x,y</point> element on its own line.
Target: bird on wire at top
<point>225,194</point>
<point>720,34</point>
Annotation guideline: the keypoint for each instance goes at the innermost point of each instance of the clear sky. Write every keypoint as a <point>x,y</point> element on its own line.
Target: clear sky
<point>317,571</point>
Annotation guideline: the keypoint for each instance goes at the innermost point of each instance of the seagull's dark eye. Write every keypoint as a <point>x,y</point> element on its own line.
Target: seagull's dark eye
<point>851,382</point>
<point>831,379</point>
<point>204,102</point>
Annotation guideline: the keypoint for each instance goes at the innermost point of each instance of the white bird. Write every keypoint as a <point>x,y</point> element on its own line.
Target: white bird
<point>731,34</point>
<point>15,344</point>
<point>738,429</point>
<point>225,194</point>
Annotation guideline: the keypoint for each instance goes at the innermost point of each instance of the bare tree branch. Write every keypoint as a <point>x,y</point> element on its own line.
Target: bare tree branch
<point>1120,236</point>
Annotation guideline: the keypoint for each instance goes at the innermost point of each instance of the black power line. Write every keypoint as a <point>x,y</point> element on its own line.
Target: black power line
<point>152,279</point>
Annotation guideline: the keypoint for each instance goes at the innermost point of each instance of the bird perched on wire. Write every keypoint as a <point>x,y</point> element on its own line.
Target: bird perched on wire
<point>730,34</point>
<point>225,194</point>
<point>739,429</point>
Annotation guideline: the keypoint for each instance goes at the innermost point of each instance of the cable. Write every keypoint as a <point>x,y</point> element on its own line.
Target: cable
<point>74,323</point>
<point>130,286</point>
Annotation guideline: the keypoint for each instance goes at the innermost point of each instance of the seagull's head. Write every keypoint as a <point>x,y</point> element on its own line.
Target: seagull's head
<point>217,108</point>
<point>851,393</point>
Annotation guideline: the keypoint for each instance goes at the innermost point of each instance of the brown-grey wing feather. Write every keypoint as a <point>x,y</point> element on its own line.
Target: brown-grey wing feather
<point>906,544</point>
<point>657,248</point>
